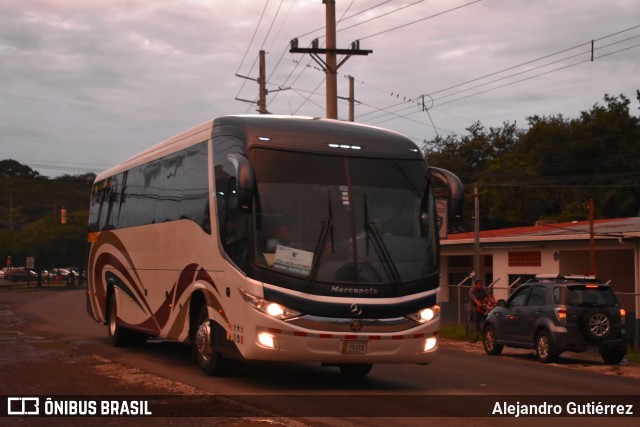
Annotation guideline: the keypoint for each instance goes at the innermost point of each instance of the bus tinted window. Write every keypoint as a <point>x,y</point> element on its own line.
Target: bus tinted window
<point>231,221</point>
<point>171,188</point>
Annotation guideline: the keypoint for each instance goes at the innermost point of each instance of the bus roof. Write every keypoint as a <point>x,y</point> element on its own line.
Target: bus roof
<point>320,136</point>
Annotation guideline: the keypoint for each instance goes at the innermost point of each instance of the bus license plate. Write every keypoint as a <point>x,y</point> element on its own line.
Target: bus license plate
<point>354,347</point>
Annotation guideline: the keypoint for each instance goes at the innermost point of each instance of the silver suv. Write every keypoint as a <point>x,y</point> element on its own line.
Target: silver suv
<point>553,315</point>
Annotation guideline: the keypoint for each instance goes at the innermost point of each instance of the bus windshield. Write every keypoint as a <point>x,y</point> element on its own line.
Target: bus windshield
<point>343,219</point>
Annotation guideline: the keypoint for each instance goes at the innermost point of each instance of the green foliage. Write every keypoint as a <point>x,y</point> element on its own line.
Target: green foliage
<point>12,169</point>
<point>550,170</point>
<point>453,332</point>
<point>30,225</point>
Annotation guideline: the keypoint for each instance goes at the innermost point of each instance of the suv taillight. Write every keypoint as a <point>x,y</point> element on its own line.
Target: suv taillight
<point>623,315</point>
<point>561,314</point>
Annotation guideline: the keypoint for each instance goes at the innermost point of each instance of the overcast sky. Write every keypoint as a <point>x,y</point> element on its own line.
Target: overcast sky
<point>85,84</point>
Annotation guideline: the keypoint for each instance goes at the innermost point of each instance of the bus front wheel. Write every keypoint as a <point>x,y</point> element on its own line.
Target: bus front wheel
<point>211,362</point>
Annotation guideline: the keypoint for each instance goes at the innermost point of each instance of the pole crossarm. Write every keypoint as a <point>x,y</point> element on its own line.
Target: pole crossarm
<point>315,50</point>
<point>349,52</point>
<point>247,78</point>
<point>245,100</point>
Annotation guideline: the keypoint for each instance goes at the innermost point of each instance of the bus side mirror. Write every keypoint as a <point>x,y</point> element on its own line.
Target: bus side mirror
<point>245,181</point>
<point>456,190</point>
<point>425,223</point>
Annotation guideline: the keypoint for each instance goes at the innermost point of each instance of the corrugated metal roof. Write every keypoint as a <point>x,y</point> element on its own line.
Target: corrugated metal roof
<point>578,230</point>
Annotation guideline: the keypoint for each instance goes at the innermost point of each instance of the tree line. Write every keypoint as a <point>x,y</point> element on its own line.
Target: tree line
<point>31,216</point>
<point>550,170</point>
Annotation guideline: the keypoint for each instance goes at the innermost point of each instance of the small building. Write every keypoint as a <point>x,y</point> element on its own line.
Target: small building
<point>511,256</point>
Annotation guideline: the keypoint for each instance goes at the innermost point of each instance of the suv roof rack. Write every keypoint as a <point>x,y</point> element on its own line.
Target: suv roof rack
<point>574,277</point>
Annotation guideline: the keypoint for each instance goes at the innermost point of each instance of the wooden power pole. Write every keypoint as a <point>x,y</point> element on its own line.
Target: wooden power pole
<point>331,65</point>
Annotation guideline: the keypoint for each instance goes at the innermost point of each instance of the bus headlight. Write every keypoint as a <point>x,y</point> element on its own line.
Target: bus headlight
<point>267,341</point>
<point>426,314</point>
<point>430,344</point>
<point>273,309</point>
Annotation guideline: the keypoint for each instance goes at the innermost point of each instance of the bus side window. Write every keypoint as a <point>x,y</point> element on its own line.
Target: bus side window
<point>96,207</point>
<point>231,220</point>
<point>194,198</point>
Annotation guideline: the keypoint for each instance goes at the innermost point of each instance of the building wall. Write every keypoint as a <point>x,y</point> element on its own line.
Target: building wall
<point>617,260</point>
<point>614,262</point>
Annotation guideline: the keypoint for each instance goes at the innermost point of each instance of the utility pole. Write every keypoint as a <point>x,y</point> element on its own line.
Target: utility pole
<point>351,99</point>
<point>332,69</point>
<point>592,241</point>
<point>11,212</point>
<point>330,66</point>
<point>262,86</point>
<point>262,91</point>
<point>476,232</point>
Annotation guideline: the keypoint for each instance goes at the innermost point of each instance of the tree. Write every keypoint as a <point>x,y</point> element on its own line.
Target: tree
<point>551,169</point>
<point>29,216</point>
<point>13,169</point>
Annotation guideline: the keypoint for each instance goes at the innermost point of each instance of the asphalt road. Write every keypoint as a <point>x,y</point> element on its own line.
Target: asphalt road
<point>49,346</point>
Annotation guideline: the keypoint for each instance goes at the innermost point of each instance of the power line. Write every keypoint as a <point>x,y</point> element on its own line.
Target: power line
<point>369,20</point>
<point>419,20</point>
<point>344,19</point>
<point>255,61</point>
<point>531,77</point>
<point>396,115</point>
<point>249,47</point>
<point>381,16</point>
<point>534,68</point>
<point>286,17</point>
<point>253,36</point>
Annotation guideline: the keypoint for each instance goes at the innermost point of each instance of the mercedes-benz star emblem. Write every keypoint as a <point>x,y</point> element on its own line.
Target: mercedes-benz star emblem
<point>355,309</point>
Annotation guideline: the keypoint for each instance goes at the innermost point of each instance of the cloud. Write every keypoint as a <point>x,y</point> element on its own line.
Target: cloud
<point>88,84</point>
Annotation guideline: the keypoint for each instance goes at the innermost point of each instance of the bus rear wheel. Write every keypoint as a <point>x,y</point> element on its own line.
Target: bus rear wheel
<point>119,336</point>
<point>210,361</point>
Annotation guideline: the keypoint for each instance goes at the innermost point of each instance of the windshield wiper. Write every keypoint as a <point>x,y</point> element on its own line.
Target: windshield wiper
<point>325,231</point>
<point>382,251</point>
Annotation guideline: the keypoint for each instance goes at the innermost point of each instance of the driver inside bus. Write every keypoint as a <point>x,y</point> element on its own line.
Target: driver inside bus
<point>282,238</point>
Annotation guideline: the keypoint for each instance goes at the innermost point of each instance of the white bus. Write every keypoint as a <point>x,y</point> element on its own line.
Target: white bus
<point>271,238</point>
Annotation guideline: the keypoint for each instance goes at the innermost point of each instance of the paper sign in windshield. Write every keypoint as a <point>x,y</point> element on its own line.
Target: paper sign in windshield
<point>293,260</point>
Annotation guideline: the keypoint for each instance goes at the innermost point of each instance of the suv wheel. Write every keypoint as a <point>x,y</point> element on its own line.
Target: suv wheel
<point>596,324</point>
<point>491,346</point>
<point>612,357</point>
<point>544,348</point>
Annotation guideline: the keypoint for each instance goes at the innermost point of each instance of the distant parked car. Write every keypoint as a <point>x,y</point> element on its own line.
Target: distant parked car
<point>20,274</point>
<point>553,315</point>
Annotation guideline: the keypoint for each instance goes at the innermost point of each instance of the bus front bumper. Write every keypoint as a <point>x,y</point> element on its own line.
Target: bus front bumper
<point>279,342</point>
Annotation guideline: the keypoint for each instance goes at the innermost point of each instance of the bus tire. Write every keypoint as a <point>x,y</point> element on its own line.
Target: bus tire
<point>210,361</point>
<point>355,370</point>
<point>119,336</point>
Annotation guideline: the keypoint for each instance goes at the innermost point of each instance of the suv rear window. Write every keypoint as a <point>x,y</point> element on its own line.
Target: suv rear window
<point>588,296</point>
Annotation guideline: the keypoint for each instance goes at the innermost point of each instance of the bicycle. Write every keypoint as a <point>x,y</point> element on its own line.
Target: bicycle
<point>474,326</point>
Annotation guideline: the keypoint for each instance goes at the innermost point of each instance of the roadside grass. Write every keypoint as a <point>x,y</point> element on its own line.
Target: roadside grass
<point>633,355</point>
<point>456,333</point>
<point>452,332</point>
